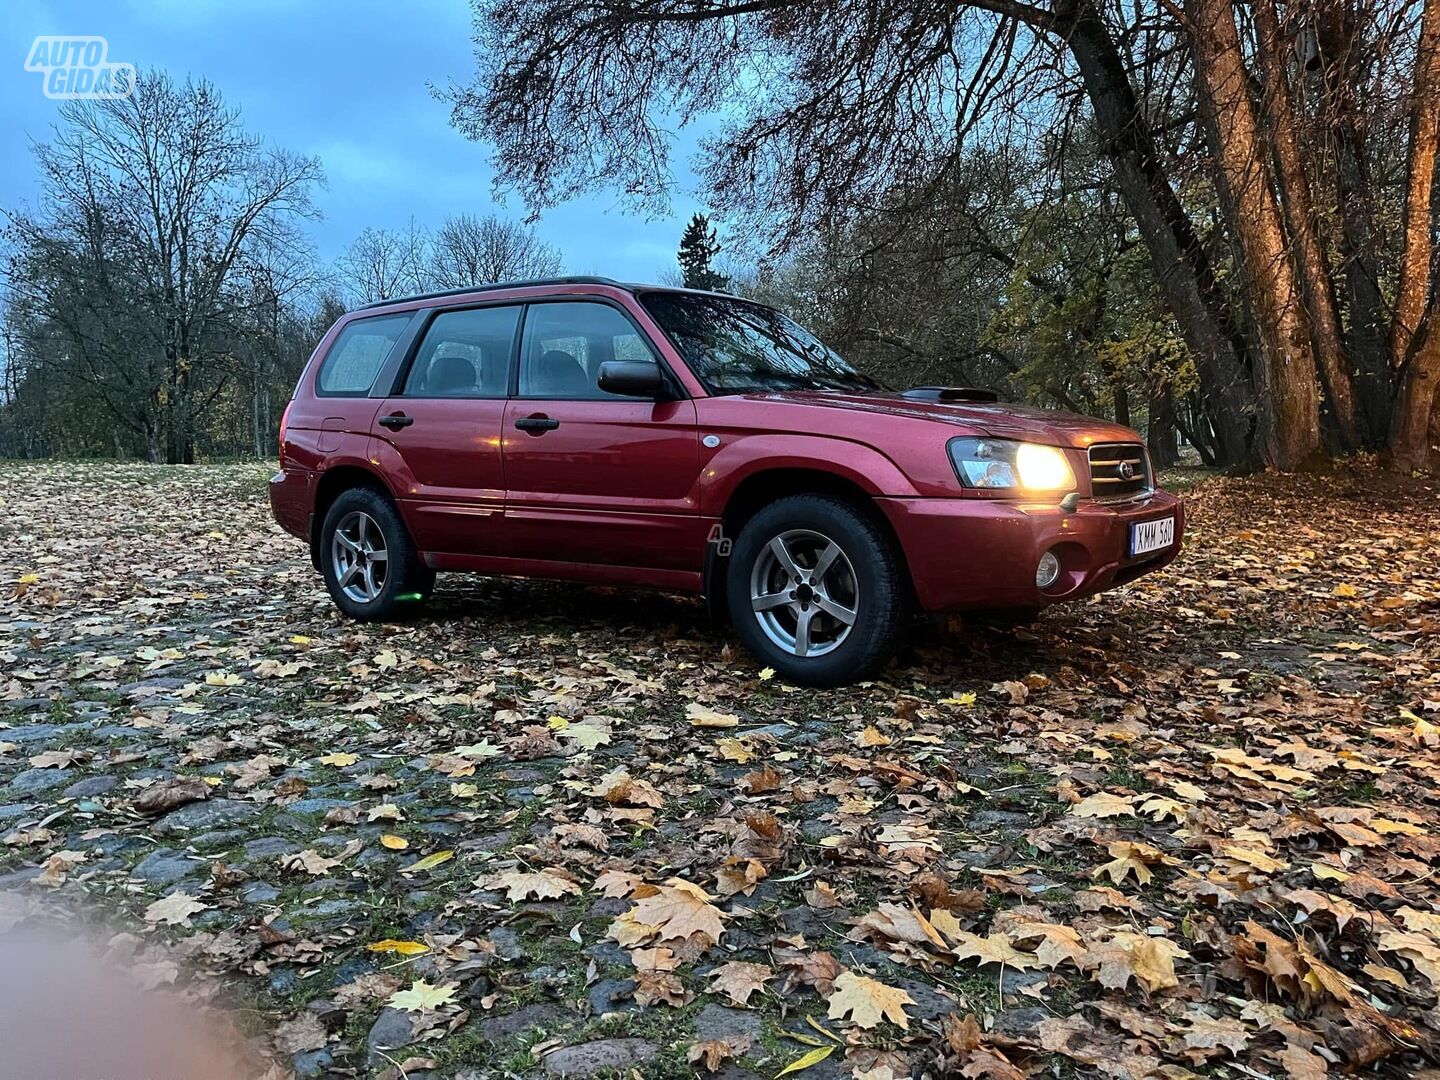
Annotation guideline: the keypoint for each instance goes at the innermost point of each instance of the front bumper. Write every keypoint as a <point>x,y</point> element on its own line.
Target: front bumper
<point>981,553</point>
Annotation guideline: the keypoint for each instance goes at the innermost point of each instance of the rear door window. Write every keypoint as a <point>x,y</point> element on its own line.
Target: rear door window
<point>465,354</point>
<point>358,354</point>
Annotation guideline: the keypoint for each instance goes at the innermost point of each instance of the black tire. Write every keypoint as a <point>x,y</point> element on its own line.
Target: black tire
<point>872,579</point>
<point>403,583</point>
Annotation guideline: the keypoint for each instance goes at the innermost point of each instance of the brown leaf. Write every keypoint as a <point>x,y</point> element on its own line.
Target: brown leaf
<point>738,980</point>
<point>550,883</point>
<point>679,909</point>
<point>304,1031</point>
<point>166,795</point>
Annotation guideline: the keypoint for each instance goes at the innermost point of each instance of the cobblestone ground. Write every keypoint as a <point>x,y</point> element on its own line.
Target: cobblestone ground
<point>1183,828</point>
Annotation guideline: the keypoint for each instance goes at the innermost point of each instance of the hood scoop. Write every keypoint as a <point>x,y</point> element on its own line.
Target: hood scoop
<point>951,393</point>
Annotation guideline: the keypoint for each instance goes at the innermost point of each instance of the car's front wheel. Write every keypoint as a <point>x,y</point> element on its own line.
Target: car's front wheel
<point>371,567</point>
<point>816,590</point>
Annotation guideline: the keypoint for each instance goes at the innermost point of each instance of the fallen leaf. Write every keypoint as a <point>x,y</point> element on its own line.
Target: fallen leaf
<point>704,717</point>
<point>867,1001</point>
<point>421,995</point>
<point>548,884</point>
<point>404,948</point>
<point>738,980</point>
<point>804,1061</point>
<point>175,909</point>
<point>429,862</point>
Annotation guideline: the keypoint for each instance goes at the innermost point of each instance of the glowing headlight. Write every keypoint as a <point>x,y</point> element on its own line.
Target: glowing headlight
<point>1007,464</point>
<point>1043,468</point>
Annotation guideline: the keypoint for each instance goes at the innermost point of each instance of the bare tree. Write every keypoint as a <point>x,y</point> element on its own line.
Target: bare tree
<point>385,263</point>
<point>155,209</point>
<point>470,250</point>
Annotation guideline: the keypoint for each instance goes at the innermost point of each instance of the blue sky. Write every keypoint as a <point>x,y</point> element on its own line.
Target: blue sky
<point>345,81</point>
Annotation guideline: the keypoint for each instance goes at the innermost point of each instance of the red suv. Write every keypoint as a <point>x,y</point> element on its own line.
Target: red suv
<point>589,430</point>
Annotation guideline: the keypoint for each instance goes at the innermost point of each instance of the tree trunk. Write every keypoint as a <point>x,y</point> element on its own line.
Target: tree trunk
<point>1367,337</point>
<point>1290,433</point>
<point>1435,435</point>
<point>1415,347</point>
<point>1160,435</point>
<point>1181,265</point>
<point>1283,126</point>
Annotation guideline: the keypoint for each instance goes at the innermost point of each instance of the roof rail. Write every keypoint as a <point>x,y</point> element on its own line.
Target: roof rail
<point>442,293</point>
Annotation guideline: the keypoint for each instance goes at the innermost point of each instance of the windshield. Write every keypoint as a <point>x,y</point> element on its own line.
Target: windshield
<point>736,347</point>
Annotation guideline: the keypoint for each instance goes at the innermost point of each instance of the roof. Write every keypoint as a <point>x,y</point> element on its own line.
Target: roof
<point>628,286</point>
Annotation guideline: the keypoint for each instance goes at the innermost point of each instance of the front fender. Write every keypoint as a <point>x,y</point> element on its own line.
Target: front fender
<point>740,458</point>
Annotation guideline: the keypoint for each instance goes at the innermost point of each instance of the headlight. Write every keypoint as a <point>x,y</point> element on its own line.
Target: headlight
<point>1005,463</point>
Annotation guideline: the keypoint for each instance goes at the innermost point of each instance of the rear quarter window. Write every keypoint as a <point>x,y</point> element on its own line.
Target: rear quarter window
<point>355,359</point>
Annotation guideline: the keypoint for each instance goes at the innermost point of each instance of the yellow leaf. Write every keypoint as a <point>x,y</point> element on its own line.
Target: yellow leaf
<point>868,1001</point>
<point>706,717</point>
<point>964,700</point>
<point>804,1061</point>
<point>429,862</point>
<point>1328,873</point>
<point>679,909</point>
<point>340,760</point>
<point>1252,857</point>
<point>404,948</point>
<point>734,750</point>
<point>557,723</point>
<point>393,842</point>
<point>299,639</point>
<point>872,737</point>
<point>464,791</point>
<point>420,996</point>
<point>1386,827</point>
<point>29,579</point>
<point>1346,590</point>
<point>386,812</point>
<point>1103,804</point>
<point>1160,806</point>
<point>995,949</point>
<point>766,674</point>
<point>550,883</point>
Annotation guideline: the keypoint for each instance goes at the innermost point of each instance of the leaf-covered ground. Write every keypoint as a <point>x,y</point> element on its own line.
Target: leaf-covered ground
<point>1186,828</point>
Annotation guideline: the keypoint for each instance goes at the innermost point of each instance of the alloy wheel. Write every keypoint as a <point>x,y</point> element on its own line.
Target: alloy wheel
<point>803,593</point>
<point>359,557</point>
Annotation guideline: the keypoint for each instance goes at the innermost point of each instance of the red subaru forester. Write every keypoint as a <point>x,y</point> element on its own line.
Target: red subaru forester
<point>593,431</point>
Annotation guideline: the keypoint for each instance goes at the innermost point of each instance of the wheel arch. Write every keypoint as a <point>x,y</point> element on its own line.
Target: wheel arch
<point>333,483</point>
<point>766,486</point>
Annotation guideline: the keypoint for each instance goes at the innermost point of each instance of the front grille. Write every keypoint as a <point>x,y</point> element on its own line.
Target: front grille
<point>1118,470</point>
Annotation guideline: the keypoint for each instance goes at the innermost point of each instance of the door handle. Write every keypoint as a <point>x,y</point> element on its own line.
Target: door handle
<point>537,425</point>
<point>395,421</point>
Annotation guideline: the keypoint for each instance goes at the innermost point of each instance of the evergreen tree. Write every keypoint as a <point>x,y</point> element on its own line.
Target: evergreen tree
<point>697,247</point>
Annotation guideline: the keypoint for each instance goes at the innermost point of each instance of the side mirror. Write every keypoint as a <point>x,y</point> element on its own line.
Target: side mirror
<point>633,378</point>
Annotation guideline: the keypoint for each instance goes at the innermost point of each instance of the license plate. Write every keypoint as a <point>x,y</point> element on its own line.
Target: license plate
<point>1154,535</point>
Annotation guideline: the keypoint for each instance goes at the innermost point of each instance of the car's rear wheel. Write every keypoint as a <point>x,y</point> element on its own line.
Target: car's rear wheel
<point>370,564</point>
<point>816,590</point>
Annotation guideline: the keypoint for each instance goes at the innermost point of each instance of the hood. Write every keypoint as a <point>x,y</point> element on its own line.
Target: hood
<point>1051,427</point>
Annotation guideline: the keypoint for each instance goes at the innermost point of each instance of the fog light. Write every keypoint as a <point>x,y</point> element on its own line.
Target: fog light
<point>1047,570</point>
